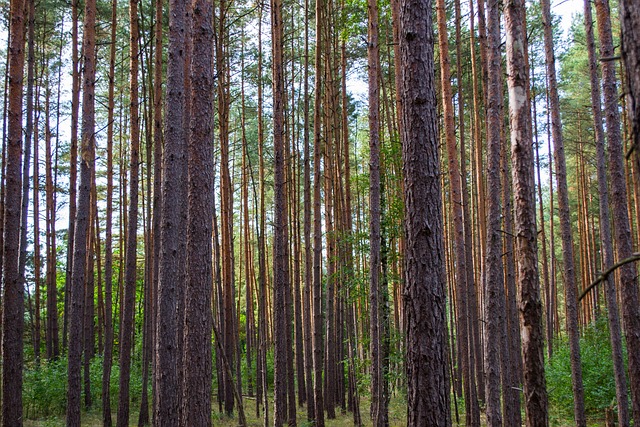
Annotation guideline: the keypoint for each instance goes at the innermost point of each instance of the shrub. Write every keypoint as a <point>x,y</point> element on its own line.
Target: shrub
<point>597,373</point>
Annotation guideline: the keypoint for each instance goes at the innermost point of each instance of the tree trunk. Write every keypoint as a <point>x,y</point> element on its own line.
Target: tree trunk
<point>129,296</point>
<point>196,397</point>
<point>308,261</point>
<point>621,224</point>
<point>318,342</point>
<point>457,208</point>
<point>76,297</point>
<point>108,250</point>
<point>377,409</point>
<point>173,227</point>
<point>529,304</point>
<point>613,316</point>
<point>280,248</point>
<point>51,334</point>
<point>565,223</point>
<point>424,287</point>
<point>157,187</point>
<point>494,295</point>
<point>12,312</point>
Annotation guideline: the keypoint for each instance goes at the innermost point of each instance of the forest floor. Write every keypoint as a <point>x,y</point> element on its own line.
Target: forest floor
<point>397,417</point>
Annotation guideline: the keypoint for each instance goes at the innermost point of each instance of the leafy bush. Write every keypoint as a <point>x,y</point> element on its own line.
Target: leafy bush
<point>45,386</point>
<point>44,389</point>
<point>597,373</point>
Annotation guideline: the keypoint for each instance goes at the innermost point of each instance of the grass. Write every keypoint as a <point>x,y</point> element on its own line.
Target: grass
<point>93,418</point>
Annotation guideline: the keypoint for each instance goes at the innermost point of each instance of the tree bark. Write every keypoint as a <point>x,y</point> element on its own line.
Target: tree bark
<point>455,186</point>
<point>108,243</point>
<point>377,410</point>
<point>613,315</point>
<point>171,272</point>
<point>494,295</point>
<point>281,246</point>
<point>424,287</point>
<point>76,289</point>
<point>565,222</point>
<point>529,303</point>
<point>129,295</point>
<point>12,312</point>
<point>621,223</point>
<point>318,341</point>
<point>196,397</point>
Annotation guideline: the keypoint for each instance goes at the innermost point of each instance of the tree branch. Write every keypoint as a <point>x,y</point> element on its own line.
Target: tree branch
<point>603,276</point>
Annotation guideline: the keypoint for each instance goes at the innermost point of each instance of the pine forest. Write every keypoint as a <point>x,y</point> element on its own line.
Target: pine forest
<point>379,213</point>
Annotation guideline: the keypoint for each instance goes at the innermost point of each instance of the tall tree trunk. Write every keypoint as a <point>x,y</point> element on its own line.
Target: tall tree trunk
<point>157,184</point>
<point>565,222</point>
<point>36,184</point>
<point>621,223</point>
<point>424,287</point>
<point>630,31</point>
<point>89,294</point>
<point>172,242</point>
<point>377,410</point>
<point>226,200</point>
<point>12,312</point>
<point>613,316</point>
<point>308,261</point>
<point>474,312</point>
<point>73,164</point>
<point>280,248</point>
<point>494,296</point>
<point>457,207</point>
<point>318,342</point>
<point>51,334</point>
<point>108,256</point>
<point>465,296</point>
<point>543,235</point>
<point>129,296</point>
<point>196,397</point>
<point>76,289</point>
<point>262,250</point>
<point>529,304</point>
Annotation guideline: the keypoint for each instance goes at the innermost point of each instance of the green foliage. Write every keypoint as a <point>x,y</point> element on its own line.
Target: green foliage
<point>597,373</point>
<point>45,387</point>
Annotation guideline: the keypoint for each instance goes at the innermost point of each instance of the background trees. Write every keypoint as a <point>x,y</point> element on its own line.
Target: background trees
<point>235,178</point>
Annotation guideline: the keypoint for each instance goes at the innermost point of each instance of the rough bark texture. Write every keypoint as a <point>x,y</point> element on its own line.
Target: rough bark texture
<point>377,408</point>
<point>308,260</point>
<point>318,338</point>
<point>621,224</point>
<point>472,408</point>
<point>157,190</point>
<point>87,155</point>
<point>424,287</point>
<point>129,297</point>
<point>196,397</point>
<point>529,303</point>
<point>173,227</point>
<point>630,30</point>
<point>108,257</point>
<point>12,312</point>
<point>455,186</point>
<point>613,316</point>
<point>570,288</point>
<point>281,243</point>
<point>494,297</point>
<point>630,23</point>
<point>73,166</point>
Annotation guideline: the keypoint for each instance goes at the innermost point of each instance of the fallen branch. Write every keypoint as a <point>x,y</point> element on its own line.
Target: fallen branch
<point>603,276</point>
